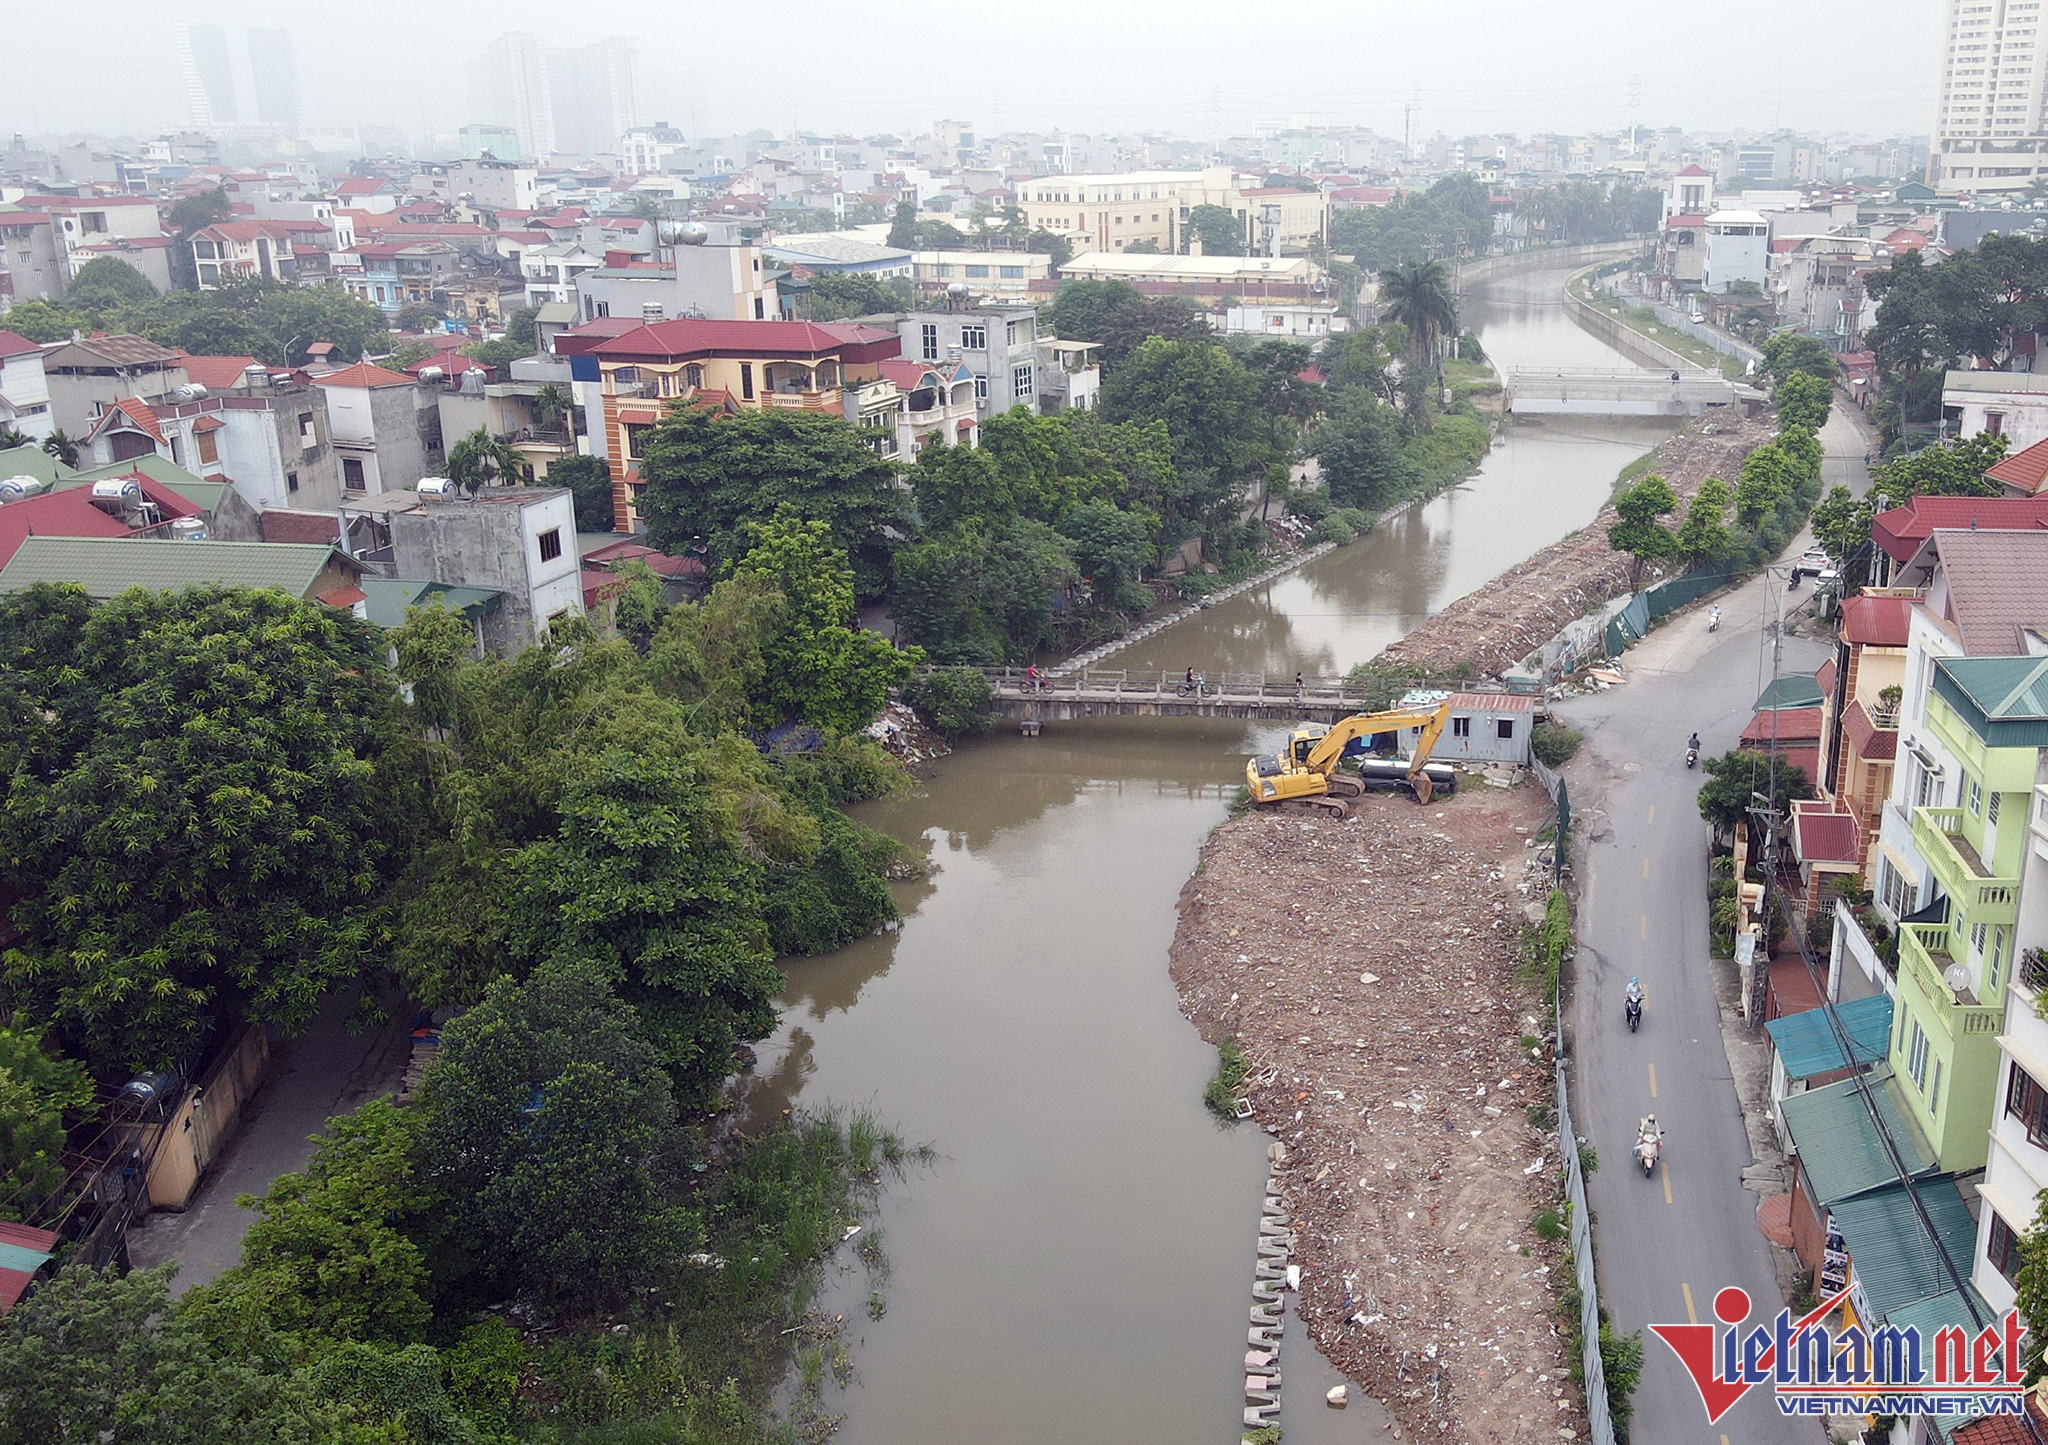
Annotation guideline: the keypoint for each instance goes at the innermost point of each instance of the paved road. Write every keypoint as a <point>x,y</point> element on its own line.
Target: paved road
<point>1643,911</point>
<point>323,1072</point>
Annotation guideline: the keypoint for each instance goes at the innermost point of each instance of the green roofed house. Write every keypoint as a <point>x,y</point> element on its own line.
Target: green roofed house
<point>1895,1262</point>
<point>228,517</point>
<point>1807,1052</point>
<point>1840,1153</point>
<point>108,566</point>
<point>387,599</point>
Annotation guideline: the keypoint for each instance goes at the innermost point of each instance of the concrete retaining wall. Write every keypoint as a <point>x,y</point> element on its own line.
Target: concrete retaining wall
<point>1632,344</point>
<point>1544,258</point>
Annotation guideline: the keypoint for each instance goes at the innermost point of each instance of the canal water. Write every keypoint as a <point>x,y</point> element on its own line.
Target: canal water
<point>1077,1264</point>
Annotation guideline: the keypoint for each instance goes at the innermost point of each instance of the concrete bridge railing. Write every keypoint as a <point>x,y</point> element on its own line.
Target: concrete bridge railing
<point>1632,392</point>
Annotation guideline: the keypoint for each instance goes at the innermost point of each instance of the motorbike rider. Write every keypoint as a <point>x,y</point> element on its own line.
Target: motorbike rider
<point>1635,991</point>
<point>1693,743</point>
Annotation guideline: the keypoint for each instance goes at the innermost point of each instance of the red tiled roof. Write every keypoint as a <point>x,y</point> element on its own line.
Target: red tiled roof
<point>598,585</point>
<point>1826,675</point>
<point>343,597</point>
<point>12,345</point>
<point>207,424</point>
<point>1900,531</point>
<point>675,340</point>
<point>361,186</point>
<point>1876,621</point>
<point>215,373</point>
<point>14,1283</point>
<point>453,362</point>
<point>363,375</point>
<point>285,525</point>
<point>1695,170</point>
<point>69,513</point>
<point>1794,724</point>
<point>1997,587</point>
<point>1822,835</point>
<point>1685,222</point>
<point>2023,471</point>
<point>136,411</point>
<point>908,375</point>
<point>1870,741</point>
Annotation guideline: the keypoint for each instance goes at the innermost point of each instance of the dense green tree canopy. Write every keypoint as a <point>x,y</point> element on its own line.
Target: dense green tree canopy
<point>549,1116</point>
<point>834,297</point>
<point>1116,317</point>
<point>193,806</point>
<point>1417,294</point>
<point>1637,530</point>
<point>1358,444</point>
<point>108,283</point>
<point>1703,538</point>
<point>982,592</point>
<point>1803,400</point>
<point>1207,399</point>
<point>709,474</point>
<point>589,479</point>
<point>1216,230</point>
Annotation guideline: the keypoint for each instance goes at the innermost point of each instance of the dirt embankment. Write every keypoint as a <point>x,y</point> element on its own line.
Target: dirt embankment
<point>1494,627</point>
<point>1367,968</point>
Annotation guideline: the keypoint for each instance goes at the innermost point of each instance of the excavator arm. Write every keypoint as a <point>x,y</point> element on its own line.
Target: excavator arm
<point>1329,749</point>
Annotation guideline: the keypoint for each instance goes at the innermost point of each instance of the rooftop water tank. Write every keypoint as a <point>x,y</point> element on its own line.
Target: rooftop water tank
<point>433,373</point>
<point>117,494</point>
<point>190,391</point>
<point>189,529</point>
<point>13,489</point>
<point>435,487</point>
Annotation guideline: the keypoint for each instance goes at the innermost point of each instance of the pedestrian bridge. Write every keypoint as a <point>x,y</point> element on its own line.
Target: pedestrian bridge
<point>1101,692</point>
<point>1633,392</point>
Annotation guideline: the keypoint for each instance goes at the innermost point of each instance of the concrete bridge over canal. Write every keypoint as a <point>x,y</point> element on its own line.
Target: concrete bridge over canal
<point>1102,692</point>
<point>1571,391</point>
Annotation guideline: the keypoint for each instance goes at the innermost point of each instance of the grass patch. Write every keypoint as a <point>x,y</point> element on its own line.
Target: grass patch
<point>1548,1224</point>
<point>1554,744</point>
<point>1231,1069</point>
<point>1543,948</point>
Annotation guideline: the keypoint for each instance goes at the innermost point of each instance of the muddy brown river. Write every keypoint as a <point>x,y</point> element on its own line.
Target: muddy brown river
<point>1077,1265</point>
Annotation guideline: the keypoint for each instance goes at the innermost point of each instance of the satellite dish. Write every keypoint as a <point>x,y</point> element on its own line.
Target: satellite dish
<point>1957,978</point>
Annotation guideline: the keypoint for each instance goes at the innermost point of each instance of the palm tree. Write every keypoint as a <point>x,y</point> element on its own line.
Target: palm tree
<point>551,405</point>
<point>10,439</point>
<point>1418,295</point>
<point>478,460</point>
<point>62,447</point>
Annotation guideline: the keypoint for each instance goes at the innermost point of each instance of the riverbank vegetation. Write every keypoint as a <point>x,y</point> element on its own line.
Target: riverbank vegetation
<point>224,810</point>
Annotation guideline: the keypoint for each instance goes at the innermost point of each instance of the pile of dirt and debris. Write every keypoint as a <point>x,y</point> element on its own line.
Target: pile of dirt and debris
<point>904,734</point>
<point>1366,967</point>
<point>1497,625</point>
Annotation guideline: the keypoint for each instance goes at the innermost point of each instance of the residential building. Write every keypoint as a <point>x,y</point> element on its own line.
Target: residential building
<point>746,364</point>
<point>1206,280</point>
<point>1690,193</point>
<point>490,142</point>
<point>934,405</point>
<point>1114,212</point>
<point>998,345</point>
<point>2011,404</point>
<point>1069,375</point>
<point>238,250</point>
<point>392,275</point>
<point>551,270</point>
<point>838,256</point>
<point>270,442</point>
<point>121,507</point>
<point>108,566</point>
<point>88,375</point>
<point>722,277</point>
<point>128,228</point>
<point>24,390</point>
<point>1989,132</point>
<point>209,76</point>
<point>383,426</point>
<point>496,184</point>
<point>1953,833</point>
<point>274,73</point>
<point>518,541</point>
<point>33,264</point>
<point>595,92</point>
<point>996,276</point>
<point>1817,286</point>
<point>1863,687</point>
<point>2002,704</point>
<point>1290,320</point>
<point>1899,534</point>
<point>646,150</point>
<point>510,88</point>
<point>1738,251</point>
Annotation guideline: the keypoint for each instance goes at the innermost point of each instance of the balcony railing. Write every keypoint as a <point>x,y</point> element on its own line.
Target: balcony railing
<point>802,400</point>
<point>1983,896</point>
<point>1923,951</point>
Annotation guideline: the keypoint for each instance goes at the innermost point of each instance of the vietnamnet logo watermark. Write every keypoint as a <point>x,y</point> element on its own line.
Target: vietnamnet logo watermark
<point>1887,1371</point>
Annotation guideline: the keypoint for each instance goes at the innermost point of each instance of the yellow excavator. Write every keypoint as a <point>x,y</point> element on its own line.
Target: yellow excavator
<point>1308,768</point>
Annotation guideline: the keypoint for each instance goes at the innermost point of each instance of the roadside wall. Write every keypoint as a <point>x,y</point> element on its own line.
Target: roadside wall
<point>1544,258</point>
<point>205,1117</point>
<point>1632,344</point>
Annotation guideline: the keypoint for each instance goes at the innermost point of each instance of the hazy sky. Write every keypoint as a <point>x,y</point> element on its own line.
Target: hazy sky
<point>1199,67</point>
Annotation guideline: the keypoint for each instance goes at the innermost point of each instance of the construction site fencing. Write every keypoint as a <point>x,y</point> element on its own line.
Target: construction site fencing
<point>1655,603</point>
<point>1560,797</point>
<point>1599,1420</point>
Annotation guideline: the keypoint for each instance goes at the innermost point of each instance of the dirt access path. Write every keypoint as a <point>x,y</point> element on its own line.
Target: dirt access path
<point>1367,968</point>
<point>1498,624</point>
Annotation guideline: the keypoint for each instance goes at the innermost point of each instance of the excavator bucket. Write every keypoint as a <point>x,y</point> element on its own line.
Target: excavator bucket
<point>1422,786</point>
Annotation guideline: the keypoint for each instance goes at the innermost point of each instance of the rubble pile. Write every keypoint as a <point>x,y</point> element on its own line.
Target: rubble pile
<point>903,734</point>
<point>1366,966</point>
<point>1497,625</point>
